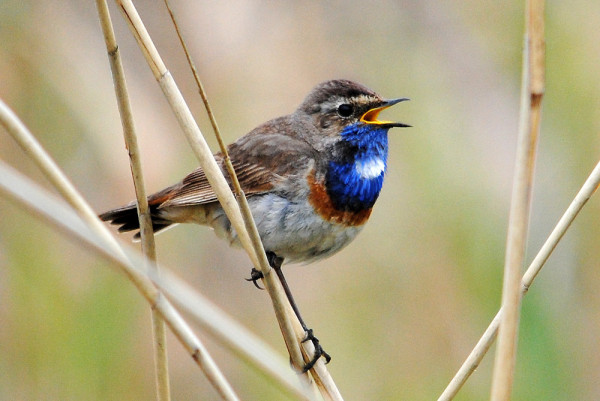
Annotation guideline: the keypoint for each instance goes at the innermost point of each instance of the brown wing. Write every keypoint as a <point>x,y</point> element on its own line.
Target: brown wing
<point>262,159</point>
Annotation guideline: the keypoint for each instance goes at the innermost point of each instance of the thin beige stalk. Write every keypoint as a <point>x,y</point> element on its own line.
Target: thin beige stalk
<point>488,337</point>
<point>324,379</point>
<point>251,244</point>
<point>159,332</point>
<point>188,125</point>
<point>226,330</point>
<point>33,149</point>
<point>531,98</point>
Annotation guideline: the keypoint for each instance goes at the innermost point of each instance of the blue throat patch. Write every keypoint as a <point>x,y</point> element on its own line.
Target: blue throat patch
<point>354,183</point>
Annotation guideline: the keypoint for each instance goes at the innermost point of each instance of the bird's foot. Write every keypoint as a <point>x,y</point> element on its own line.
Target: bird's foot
<point>319,351</point>
<point>255,275</point>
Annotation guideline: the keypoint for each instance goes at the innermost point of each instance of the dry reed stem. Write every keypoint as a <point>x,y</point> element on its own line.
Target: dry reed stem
<point>289,325</point>
<point>225,329</point>
<point>187,123</point>
<point>532,92</point>
<point>488,337</point>
<point>33,149</point>
<point>323,378</point>
<point>159,332</point>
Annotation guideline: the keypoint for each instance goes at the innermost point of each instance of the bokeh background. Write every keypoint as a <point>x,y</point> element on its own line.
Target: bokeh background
<point>402,306</point>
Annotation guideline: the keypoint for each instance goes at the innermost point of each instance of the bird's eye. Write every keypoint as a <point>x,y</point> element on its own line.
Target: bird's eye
<point>345,110</point>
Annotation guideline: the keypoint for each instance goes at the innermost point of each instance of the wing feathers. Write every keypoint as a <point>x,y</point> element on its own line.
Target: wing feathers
<point>195,189</point>
<point>262,159</point>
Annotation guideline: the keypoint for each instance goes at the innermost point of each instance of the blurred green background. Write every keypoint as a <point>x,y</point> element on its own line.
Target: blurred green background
<point>402,306</point>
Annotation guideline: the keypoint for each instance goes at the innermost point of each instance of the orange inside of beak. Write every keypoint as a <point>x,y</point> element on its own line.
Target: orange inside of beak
<point>370,117</point>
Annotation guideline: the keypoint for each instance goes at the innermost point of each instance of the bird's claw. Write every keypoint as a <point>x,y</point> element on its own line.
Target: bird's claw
<point>319,351</point>
<point>255,275</point>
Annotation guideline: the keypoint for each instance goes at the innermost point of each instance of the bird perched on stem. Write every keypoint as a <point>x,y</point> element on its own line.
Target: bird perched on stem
<point>311,179</point>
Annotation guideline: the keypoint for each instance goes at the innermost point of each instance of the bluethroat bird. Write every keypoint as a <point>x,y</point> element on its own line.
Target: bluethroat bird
<point>311,178</point>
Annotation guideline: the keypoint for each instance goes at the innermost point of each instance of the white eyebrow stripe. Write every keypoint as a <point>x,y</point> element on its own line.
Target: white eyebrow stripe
<point>335,102</point>
<point>370,168</point>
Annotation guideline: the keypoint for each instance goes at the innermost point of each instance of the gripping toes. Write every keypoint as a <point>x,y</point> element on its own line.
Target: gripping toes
<point>319,351</point>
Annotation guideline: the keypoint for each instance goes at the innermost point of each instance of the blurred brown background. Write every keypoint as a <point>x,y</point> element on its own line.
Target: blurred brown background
<point>402,306</point>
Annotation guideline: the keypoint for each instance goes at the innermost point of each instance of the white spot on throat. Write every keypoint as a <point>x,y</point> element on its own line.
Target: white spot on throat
<point>370,168</point>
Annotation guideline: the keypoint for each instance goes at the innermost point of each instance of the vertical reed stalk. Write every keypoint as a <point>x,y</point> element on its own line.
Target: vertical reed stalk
<point>531,98</point>
<point>159,332</point>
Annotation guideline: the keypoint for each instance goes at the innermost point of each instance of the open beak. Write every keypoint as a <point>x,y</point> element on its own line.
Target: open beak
<point>370,117</point>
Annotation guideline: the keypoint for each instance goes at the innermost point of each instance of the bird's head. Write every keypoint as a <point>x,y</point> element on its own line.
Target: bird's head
<point>342,109</point>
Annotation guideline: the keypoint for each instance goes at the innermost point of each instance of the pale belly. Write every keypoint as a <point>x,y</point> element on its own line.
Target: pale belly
<point>292,230</point>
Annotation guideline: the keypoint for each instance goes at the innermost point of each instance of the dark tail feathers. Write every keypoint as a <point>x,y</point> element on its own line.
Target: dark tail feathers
<point>127,218</point>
